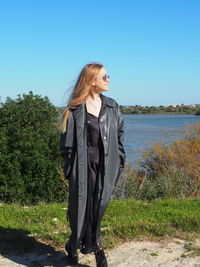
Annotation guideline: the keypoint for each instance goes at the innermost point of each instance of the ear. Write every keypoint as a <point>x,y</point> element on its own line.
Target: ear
<point>93,83</point>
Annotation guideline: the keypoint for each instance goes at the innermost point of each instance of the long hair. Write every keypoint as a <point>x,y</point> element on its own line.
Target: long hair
<point>81,89</point>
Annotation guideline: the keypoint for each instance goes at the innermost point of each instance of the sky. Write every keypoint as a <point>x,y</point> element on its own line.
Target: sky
<point>150,48</point>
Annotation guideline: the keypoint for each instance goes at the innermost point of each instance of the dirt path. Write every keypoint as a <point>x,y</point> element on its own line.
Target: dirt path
<point>131,254</point>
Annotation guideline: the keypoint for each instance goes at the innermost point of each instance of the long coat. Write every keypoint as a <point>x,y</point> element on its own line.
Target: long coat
<point>73,147</point>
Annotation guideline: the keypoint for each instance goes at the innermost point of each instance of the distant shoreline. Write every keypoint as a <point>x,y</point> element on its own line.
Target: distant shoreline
<point>162,110</point>
<point>164,113</point>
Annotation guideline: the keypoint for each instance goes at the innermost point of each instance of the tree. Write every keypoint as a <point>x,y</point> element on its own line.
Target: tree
<point>29,154</point>
<point>198,112</point>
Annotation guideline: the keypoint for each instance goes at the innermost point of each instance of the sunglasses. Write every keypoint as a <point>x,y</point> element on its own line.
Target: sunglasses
<point>105,77</point>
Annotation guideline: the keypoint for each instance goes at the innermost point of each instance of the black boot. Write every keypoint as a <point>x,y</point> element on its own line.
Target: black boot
<point>101,258</point>
<point>72,256</point>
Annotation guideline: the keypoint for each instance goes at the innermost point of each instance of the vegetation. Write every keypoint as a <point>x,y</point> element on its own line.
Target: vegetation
<point>30,164</point>
<point>23,228</point>
<point>158,198</point>
<point>197,112</point>
<point>192,249</point>
<point>29,158</point>
<point>166,171</point>
<point>171,109</point>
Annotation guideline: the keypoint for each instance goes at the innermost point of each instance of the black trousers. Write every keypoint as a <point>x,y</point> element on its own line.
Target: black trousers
<point>91,234</point>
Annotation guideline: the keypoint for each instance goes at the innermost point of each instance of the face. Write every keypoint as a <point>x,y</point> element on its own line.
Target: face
<point>102,81</point>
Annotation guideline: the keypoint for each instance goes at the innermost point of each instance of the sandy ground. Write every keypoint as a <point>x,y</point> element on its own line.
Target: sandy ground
<point>131,254</point>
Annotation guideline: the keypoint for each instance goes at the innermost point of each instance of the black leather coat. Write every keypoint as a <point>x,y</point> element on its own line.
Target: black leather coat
<point>73,147</point>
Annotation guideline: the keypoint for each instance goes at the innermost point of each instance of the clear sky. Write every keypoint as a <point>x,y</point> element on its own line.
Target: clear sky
<point>150,48</point>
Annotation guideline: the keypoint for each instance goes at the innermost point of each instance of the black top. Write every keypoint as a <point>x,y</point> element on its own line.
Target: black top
<point>94,138</point>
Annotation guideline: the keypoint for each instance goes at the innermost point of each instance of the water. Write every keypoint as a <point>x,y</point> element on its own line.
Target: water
<point>142,131</point>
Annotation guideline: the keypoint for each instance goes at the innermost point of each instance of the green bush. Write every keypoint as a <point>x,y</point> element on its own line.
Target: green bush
<point>29,154</point>
<point>173,183</point>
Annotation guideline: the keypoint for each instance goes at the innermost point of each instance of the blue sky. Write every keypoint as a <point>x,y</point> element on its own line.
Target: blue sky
<point>150,48</point>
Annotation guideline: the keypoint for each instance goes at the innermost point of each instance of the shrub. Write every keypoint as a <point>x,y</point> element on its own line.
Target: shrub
<point>128,183</point>
<point>173,170</point>
<point>29,156</point>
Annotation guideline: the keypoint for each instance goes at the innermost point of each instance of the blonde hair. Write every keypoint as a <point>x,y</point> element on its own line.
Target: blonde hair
<point>81,89</point>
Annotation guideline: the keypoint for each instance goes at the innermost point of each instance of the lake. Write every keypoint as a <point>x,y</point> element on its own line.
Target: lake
<point>142,131</point>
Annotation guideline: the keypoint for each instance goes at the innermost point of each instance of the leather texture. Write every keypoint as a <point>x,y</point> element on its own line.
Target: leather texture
<point>73,148</point>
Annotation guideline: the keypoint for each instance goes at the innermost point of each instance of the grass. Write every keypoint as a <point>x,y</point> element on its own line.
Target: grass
<point>193,249</point>
<point>45,225</point>
<point>153,254</point>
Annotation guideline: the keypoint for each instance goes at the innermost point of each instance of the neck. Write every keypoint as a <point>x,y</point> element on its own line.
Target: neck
<point>93,96</point>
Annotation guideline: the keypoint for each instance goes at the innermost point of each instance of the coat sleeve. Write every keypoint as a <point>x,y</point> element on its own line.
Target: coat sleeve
<point>67,147</point>
<point>122,153</point>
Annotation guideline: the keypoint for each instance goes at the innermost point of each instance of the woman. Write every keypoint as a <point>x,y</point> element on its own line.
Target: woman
<point>92,147</point>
